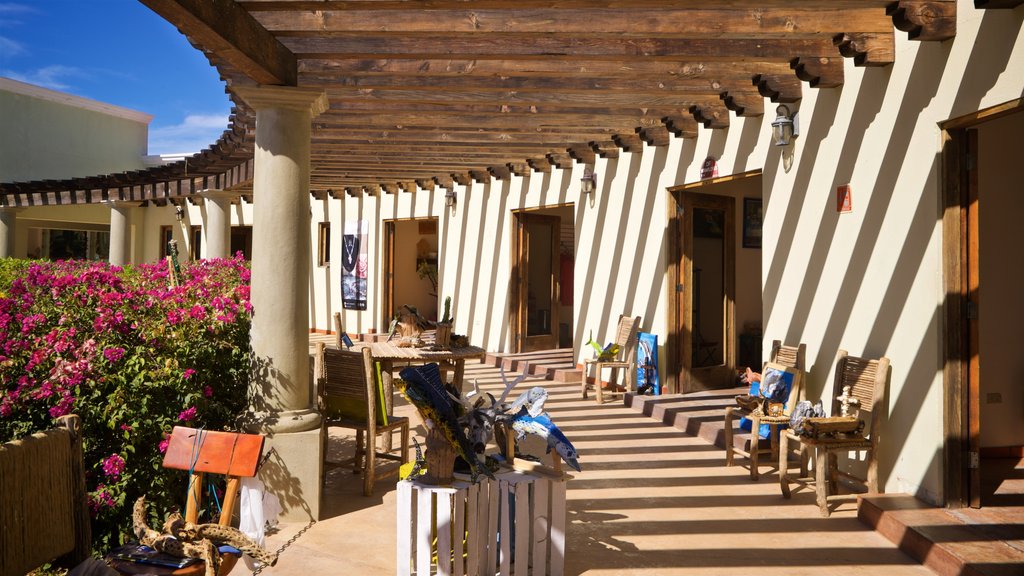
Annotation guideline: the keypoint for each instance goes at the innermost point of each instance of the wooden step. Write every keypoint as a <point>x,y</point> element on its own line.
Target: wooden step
<point>949,542</point>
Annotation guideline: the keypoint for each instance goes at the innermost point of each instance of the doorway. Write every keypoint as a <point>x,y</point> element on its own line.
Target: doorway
<point>410,267</point>
<point>985,448</point>
<point>543,261</point>
<point>715,319</point>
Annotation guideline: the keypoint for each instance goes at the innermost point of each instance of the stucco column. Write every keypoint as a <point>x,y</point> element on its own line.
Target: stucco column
<point>218,222</point>
<point>120,232</point>
<point>280,387</point>
<point>8,220</point>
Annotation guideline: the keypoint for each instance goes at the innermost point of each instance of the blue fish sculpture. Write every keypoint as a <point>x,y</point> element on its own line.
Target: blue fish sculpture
<point>541,425</point>
<point>422,386</point>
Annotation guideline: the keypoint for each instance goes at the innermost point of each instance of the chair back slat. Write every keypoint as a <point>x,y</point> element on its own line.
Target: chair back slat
<point>626,335</point>
<point>789,356</point>
<point>866,379</point>
<point>347,377</point>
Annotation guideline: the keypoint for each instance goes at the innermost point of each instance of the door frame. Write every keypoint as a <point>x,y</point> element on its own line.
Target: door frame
<point>388,266</point>
<point>519,278</point>
<point>961,418</point>
<point>681,347</point>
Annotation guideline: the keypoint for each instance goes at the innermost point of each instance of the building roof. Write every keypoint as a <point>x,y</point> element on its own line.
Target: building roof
<point>434,93</point>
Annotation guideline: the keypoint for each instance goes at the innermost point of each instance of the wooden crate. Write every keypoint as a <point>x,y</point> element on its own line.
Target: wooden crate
<point>513,525</point>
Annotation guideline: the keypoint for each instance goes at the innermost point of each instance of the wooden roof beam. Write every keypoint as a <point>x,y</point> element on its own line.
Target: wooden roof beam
<point>583,154</point>
<point>711,116</point>
<point>867,49</point>
<point>540,165</point>
<point>655,135</point>
<point>605,148</point>
<point>521,169</point>
<point>560,160</point>
<point>462,178</point>
<point>779,88</point>
<point>229,31</point>
<point>924,19</point>
<point>744,103</point>
<point>998,4</point>
<point>681,126</point>
<point>819,71</point>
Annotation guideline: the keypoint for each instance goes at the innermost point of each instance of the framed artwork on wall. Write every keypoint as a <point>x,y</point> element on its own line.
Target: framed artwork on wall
<point>752,223</point>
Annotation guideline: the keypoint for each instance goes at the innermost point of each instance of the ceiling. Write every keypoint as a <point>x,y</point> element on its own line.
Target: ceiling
<point>428,93</point>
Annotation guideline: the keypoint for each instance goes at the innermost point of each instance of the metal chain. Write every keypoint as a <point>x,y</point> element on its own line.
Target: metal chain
<point>285,546</point>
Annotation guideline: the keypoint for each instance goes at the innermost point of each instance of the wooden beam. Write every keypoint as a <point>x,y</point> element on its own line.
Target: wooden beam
<point>819,71</point>
<point>583,154</point>
<point>711,116</point>
<point>561,160</point>
<point>779,88</point>
<point>537,165</point>
<point>230,32</point>
<point>605,148</point>
<point>655,136</point>
<point>695,22</point>
<point>471,46</point>
<point>924,19</point>
<point>999,4</point>
<point>681,126</point>
<point>744,104</point>
<point>867,49</point>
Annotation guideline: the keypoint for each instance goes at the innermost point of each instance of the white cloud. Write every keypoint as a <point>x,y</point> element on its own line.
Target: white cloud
<point>14,8</point>
<point>52,77</point>
<point>9,48</point>
<point>196,132</point>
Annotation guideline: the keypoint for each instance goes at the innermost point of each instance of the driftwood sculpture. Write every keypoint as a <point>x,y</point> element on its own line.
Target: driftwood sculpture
<point>187,540</point>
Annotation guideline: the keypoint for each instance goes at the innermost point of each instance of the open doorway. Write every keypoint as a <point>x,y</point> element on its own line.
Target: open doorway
<point>410,267</point>
<point>716,268</point>
<point>983,275</point>
<point>542,279</point>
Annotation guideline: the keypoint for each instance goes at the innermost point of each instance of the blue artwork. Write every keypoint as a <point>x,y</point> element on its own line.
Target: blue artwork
<point>775,384</point>
<point>647,381</point>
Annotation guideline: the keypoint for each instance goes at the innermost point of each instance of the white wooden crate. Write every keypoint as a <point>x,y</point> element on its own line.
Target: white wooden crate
<point>512,526</point>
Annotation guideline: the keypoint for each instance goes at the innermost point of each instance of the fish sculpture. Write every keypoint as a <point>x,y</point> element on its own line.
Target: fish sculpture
<point>541,425</point>
<point>605,354</point>
<point>423,388</point>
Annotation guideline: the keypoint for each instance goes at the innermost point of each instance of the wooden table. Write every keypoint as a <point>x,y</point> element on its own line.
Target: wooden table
<point>392,357</point>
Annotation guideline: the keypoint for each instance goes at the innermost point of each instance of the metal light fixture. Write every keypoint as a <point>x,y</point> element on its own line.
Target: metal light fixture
<point>179,212</point>
<point>588,183</point>
<point>450,199</point>
<point>784,127</point>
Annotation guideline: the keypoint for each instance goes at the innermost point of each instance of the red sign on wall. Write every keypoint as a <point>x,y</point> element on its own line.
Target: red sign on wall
<point>709,169</point>
<point>844,198</point>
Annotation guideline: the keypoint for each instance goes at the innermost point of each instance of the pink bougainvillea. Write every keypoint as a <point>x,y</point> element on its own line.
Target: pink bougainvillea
<point>130,353</point>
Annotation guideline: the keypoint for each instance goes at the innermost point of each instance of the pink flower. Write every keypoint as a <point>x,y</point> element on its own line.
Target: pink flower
<point>113,354</point>
<point>113,466</point>
<point>208,391</point>
<point>188,414</point>
<point>126,427</point>
<point>187,373</point>
<point>163,445</point>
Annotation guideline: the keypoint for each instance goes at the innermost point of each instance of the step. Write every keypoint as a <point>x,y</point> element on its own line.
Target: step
<point>949,542</point>
<point>556,365</point>
<point>700,414</point>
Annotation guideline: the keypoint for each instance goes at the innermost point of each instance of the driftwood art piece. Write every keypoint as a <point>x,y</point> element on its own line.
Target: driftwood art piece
<point>187,540</point>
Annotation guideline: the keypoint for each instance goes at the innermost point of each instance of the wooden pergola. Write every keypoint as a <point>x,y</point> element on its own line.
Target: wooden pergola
<point>426,93</point>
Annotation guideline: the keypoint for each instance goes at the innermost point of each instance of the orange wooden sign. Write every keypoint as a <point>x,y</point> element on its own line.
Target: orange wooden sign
<point>228,453</point>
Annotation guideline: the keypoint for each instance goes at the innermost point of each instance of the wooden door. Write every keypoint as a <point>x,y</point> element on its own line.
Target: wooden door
<point>536,282</point>
<point>707,292</point>
<point>973,351</point>
<point>388,297</point>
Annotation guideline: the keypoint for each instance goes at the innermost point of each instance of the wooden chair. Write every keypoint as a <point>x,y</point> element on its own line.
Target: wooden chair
<point>349,397</point>
<point>201,452</point>
<point>867,380</point>
<point>626,338</point>
<point>791,357</point>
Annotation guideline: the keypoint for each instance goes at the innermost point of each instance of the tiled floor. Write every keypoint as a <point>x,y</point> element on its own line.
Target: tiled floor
<point>650,500</point>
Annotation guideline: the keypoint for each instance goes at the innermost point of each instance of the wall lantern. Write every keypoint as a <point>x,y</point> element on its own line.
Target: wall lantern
<point>179,212</point>
<point>785,127</point>
<point>588,183</point>
<point>450,198</point>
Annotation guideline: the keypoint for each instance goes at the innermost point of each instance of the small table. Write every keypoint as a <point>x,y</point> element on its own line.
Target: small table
<point>390,356</point>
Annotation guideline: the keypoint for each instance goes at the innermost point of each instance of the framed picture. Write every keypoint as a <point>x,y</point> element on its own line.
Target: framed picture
<point>752,223</point>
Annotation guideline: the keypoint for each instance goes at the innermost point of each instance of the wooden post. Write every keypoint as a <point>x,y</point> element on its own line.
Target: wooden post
<point>440,457</point>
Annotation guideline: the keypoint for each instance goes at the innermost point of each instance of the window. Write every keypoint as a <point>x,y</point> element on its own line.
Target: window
<point>324,244</point>
<point>241,241</point>
<point>167,233</point>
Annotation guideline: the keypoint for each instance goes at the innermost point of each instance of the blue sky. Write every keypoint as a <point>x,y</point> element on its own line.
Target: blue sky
<point>118,52</point>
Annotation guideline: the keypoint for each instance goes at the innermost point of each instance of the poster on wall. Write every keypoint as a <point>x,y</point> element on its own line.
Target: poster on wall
<point>354,265</point>
<point>647,381</point>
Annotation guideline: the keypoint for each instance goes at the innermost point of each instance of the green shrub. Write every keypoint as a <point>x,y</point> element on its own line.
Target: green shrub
<point>133,356</point>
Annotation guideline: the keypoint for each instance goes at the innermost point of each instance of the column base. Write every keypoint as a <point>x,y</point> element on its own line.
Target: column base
<point>294,473</point>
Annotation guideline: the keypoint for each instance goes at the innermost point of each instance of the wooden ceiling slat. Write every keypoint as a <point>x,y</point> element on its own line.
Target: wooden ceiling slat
<point>796,21</point>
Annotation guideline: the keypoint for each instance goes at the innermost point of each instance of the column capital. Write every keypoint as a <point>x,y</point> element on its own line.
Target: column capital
<point>310,100</point>
<point>12,209</point>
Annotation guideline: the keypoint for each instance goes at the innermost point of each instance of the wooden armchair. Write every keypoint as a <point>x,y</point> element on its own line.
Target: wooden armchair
<point>348,396</point>
<point>867,381</point>
<point>626,338</point>
<point>781,357</point>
